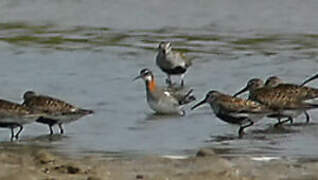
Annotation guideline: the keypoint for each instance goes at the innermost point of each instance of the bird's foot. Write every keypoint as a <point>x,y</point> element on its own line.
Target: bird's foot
<point>169,82</point>
<point>182,83</point>
<point>241,133</point>
<point>182,113</point>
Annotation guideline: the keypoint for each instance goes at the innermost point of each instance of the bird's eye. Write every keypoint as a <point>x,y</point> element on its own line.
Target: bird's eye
<point>161,45</point>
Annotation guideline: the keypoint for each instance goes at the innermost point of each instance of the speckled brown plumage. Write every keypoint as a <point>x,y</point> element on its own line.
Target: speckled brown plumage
<point>48,104</point>
<point>299,92</point>
<point>56,111</point>
<point>235,110</point>
<point>14,115</point>
<point>288,100</point>
<point>11,108</point>
<point>287,96</point>
<point>229,103</point>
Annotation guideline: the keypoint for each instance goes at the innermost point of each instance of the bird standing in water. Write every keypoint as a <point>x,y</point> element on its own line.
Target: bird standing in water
<point>287,100</point>
<point>14,115</point>
<point>301,92</point>
<point>234,110</point>
<point>171,62</point>
<point>57,112</point>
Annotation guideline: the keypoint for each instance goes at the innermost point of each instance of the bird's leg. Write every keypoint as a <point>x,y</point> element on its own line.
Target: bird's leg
<point>61,128</point>
<point>307,117</point>
<point>279,122</point>
<point>290,119</point>
<point>51,129</point>
<point>168,80</point>
<point>12,134</point>
<point>241,130</point>
<point>20,130</point>
<point>182,81</point>
<point>182,113</point>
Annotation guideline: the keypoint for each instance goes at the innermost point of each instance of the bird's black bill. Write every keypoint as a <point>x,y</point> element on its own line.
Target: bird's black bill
<point>240,92</point>
<point>86,111</point>
<point>138,77</point>
<point>310,79</point>
<point>199,104</point>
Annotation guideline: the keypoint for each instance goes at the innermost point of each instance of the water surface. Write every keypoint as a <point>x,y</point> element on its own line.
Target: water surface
<point>87,53</point>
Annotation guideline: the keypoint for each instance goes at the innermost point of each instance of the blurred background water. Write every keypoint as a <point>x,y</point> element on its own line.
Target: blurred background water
<point>87,52</point>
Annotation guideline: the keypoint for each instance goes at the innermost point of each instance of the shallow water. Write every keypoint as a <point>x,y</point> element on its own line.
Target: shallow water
<point>87,53</point>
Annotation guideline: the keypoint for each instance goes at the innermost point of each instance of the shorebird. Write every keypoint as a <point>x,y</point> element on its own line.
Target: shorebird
<point>13,115</point>
<point>164,100</point>
<point>276,82</point>
<point>301,92</point>
<point>171,62</point>
<point>234,110</point>
<point>293,90</point>
<point>57,112</point>
<point>288,100</point>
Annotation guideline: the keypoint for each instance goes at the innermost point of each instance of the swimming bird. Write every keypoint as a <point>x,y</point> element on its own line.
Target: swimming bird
<point>288,100</point>
<point>13,115</point>
<point>234,110</point>
<point>164,100</point>
<point>57,112</point>
<point>171,62</point>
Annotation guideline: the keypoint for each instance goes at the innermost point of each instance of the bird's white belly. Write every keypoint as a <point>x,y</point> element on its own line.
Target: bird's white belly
<point>253,117</point>
<point>163,107</point>
<point>64,118</point>
<point>313,101</point>
<point>256,117</point>
<point>292,113</point>
<point>18,119</point>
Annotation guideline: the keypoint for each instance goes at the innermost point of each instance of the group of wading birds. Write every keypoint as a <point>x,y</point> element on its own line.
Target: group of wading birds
<point>38,108</point>
<point>272,99</point>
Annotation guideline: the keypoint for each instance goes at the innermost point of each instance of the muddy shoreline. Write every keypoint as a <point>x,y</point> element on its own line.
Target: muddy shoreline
<point>30,162</point>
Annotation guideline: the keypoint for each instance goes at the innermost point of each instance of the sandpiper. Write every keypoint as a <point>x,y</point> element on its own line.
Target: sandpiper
<point>234,110</point>
<point>288,100</point>
<point>292,90</point>
<point>276,82</point>
<point>57,112</point>
<point>171,62</point>
<point>301,92</point>
<point>13,115</point>
<point>164,100</point>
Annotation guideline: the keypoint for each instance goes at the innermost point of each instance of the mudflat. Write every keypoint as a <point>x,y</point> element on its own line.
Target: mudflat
<point>37,163</point>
